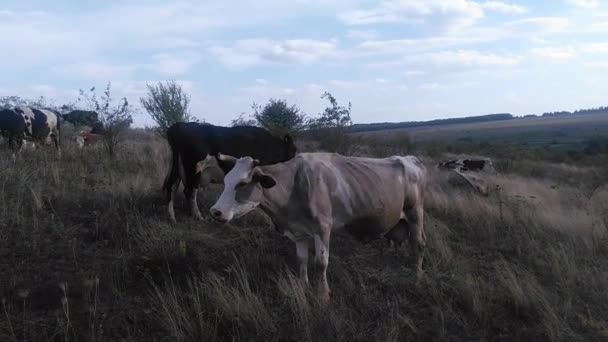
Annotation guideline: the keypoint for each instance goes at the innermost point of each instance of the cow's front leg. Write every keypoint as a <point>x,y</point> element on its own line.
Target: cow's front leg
<point>190,193</point>
<point>322,256</point>
<point>302,247</point>
<point>194,205</point>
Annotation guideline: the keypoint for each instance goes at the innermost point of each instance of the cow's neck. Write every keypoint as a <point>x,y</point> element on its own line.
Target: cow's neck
<point>276,199</point>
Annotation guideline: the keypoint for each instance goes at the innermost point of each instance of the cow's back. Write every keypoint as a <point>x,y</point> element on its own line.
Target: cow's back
<point>11,122</point>
<point>195,141</point>
<point>364,195</point>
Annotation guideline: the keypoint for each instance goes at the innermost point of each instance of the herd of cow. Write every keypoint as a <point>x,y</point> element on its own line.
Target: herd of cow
<point>306,195</point>
<point>26,128</point>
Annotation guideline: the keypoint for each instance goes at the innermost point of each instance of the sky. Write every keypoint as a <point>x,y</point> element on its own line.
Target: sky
<point>395,60</point>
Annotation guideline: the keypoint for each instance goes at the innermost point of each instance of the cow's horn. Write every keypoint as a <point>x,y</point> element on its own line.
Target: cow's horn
<point>226,158</point>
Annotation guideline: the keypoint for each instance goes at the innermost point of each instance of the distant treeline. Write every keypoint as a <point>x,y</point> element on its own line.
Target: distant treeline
<point>599,110</point>
<point>469,119</point>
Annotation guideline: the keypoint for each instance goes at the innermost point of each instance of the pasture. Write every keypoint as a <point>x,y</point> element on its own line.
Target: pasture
<point>563,132</point>
<point>87,253</point>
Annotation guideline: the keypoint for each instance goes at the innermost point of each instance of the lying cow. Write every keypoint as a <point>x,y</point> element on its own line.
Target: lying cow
<point>36,124</point>
<point>193,142</point>
<point>472,172</point>
<point>315,193</point>
<point>476,165</point>
<point>85,139</point>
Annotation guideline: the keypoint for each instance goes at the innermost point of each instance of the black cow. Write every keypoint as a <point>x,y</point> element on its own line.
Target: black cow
<point>192,142</point>
<point>36,124</point>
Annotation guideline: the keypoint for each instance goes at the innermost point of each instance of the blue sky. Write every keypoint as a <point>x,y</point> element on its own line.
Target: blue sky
<point>395,60</point>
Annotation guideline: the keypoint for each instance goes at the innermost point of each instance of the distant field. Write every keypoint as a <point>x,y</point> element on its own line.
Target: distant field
<point>560,131</point>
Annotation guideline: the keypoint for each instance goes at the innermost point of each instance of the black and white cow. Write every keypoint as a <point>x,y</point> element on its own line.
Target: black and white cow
<point>191,143</point>
<point>40,125</point>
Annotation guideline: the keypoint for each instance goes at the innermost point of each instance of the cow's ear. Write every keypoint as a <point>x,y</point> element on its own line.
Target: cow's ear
<point>265,181</point>
<point>288,139</point>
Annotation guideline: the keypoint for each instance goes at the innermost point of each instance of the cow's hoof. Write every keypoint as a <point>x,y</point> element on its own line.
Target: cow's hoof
<point>324,299</point>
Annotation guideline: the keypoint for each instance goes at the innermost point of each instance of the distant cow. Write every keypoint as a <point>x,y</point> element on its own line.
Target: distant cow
<point>192,142</point>
<point>86,139</point>
<point>36,124</point>
<point>477,165</point>
<point>314,194</point>
<point>472,172</point>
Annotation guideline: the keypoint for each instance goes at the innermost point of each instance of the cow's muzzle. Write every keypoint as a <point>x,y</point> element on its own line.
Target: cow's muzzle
<point>218,215</point>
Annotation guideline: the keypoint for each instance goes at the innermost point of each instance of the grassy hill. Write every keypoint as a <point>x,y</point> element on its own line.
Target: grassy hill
<point>87,254</point>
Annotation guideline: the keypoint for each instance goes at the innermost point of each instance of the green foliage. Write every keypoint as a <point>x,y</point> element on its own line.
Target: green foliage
<point>278,117</point>
<point>167,103</point>
<point>242,121</point>
<point>333,126</point>
<point>115,116</point>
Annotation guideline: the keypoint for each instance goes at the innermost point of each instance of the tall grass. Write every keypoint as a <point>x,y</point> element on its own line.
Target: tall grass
<point>87,253</point>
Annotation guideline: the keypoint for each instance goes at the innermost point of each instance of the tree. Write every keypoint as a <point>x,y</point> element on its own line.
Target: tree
<point>279,118</point>
<point>167,103</point>
<point>242,121</point>
<point>333,126</point>
<point>17,101</point>
<point>115,116</point>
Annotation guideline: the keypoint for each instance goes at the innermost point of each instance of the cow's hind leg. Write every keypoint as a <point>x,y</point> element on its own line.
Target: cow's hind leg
<point>302,251</point>
<point>55,138</point>
<point>322,256</point>
<point>415,218</point>
<point>172,193</point>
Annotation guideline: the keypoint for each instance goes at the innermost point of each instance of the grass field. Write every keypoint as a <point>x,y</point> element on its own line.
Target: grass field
<point>87,254</point>
<point>563,131</point>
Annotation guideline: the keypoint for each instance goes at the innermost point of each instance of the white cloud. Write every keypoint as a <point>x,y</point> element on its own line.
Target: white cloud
<point>434,15</point>
<point>584,3</point>
<point>470,58</point>
<point>362,34</point>
<point>597,65</point>
<point>594,48</point>
<point>556,53</point>
<point>459,59</point>
<point>503,7</point>
<point>95,71</point>
<point>540,25</point>
<point>429,86</point>
<point>570,52</point>
<point>173,64</point>
<point>414,73</point>
<point>250,52</point>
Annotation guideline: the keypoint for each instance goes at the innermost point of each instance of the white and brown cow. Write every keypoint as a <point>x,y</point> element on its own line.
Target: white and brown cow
<point>314,194</point>
<point>36,124</point>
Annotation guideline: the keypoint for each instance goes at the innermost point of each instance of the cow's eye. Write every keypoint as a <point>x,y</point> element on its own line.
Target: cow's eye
<point>240,185</point>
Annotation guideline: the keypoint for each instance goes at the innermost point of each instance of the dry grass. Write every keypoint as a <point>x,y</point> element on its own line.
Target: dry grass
<point>87,254</point>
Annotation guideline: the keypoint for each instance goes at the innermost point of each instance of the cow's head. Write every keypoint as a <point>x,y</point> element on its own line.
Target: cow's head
<point>242,188</point>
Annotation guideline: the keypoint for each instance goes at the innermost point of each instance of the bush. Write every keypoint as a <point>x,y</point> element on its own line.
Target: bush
<point>167,103</point>
<point>115,118</point>
<point>279,118</point>
<point>333,126</point>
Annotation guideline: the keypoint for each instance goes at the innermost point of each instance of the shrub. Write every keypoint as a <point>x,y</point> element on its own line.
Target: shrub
<point>167,103</point>
<point>279,118</point>
<point>333,126</point>
<point>115,117</point>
